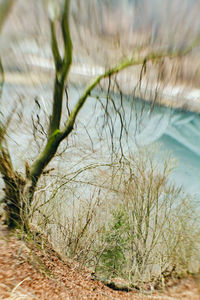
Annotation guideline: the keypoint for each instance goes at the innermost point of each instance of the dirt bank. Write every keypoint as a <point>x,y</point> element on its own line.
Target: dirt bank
<point>32,271</point>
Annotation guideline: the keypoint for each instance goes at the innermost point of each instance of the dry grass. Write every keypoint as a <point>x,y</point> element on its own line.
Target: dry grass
<point>133,224</point>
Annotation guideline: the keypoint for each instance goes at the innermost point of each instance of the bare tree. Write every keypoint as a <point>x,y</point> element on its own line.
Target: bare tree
<point>19,191</point>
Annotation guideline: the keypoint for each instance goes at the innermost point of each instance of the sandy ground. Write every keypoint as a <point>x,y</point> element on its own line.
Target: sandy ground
<point>30,272</point>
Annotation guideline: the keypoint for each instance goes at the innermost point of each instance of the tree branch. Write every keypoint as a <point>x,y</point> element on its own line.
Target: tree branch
<point>5,7</point>
<point>54,46</point>
<point>62,67</point>
<point>2,79</point>
<point>120,67</point>
<point>66,38</point>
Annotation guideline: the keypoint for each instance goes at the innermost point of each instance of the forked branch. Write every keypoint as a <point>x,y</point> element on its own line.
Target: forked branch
<point>62,65</point>
<point>58,135</point>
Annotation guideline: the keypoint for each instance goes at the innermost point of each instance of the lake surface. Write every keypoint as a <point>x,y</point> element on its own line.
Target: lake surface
<point>179,133</point>
<point>176,131</point>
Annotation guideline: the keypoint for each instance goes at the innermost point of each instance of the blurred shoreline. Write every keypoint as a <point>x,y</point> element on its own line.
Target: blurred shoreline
<point>99,42</point>
<point>175,96</point>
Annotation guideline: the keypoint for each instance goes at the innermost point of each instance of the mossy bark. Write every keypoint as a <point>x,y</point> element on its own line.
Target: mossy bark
<point>13,201</point>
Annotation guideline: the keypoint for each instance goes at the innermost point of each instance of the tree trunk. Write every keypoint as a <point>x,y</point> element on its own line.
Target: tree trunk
<point>14,200</point>
<point>18,192</point>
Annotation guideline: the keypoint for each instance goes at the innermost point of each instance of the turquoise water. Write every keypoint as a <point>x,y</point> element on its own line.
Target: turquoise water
<point>176,131</point>
<point>187,172</point>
